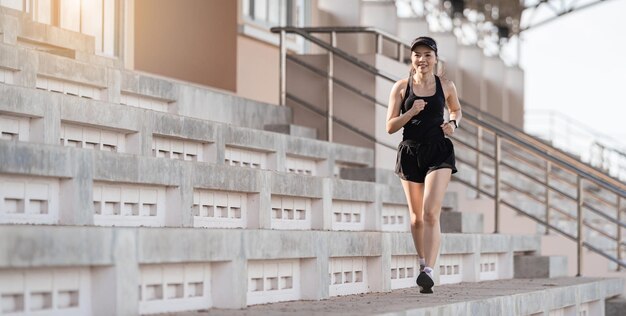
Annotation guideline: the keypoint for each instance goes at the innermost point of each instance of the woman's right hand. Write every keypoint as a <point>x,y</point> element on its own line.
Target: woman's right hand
<point>418,106</point>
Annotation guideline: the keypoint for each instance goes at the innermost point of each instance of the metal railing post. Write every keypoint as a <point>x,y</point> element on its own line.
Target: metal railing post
<point>282,73</point>
<point>379,43</point>
<point>579,226</point>
<point>498,175</point>
<point>479,147</point>
<point>619,231</point>
<point>547,197</point>
<point>331,69</point>
<point>400,52</point>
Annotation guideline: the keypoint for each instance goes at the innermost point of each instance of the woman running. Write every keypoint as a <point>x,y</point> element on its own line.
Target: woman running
<point>425,160</point>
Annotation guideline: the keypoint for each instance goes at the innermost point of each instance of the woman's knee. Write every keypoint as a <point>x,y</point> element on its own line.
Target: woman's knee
<point>417,222</point>
<point>431,218</point>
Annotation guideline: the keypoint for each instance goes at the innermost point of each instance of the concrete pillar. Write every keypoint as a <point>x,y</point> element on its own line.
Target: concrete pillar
<point>116,289</point>
<point>386,157</point>
<point>469,85</point>
<point>410,28</point>
<point>341,13</point>
<point>113,91</point>
<point>9,57</point>
<point>383,16</point>
<point>493,78</point>
<point>325,207</point>
<point>46,129</point>
<point>140,143</point>
<point>506,268</point>
<point>8,29</point>
<point>180,199</point>
<point>471,262</point>
<point>229,283</point>
<point>276,160</point>
<point>260,206</point>
<point>28,64</point>
<point>382,267</point>
<point>76,208</point>
<point>314,274</point>
<point>326,167</point>
<point>375,212</point>
<point>448,49</point>
<point>219,147</point>
<point>514,96</point>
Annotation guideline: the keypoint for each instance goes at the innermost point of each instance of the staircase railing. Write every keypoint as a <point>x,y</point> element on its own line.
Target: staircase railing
<point>514,169</point>
<point>572,135</point>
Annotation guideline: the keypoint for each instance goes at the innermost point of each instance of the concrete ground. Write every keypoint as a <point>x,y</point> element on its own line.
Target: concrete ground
<point>405,300</point>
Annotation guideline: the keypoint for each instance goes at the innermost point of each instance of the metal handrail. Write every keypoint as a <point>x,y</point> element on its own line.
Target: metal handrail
<point>538,142</point>
<point>339,82</point>
<point>502,131</point>
<point>581,126</point>
<point>534,141</point>
<point>341,122</point>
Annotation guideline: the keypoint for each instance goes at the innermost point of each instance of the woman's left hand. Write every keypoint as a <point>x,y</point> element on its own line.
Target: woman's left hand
<point>448,129</point>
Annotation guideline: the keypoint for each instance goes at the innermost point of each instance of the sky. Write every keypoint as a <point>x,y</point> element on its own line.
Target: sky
<point>576,65</point>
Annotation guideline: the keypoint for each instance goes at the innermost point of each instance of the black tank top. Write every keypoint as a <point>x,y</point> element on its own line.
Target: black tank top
<point>425,126</point>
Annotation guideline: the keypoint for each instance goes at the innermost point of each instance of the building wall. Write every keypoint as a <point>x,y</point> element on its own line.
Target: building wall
<point>191,40</point>
<point>257,70</point>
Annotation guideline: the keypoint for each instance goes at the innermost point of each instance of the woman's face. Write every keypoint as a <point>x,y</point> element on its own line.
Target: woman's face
<point>423,59</point>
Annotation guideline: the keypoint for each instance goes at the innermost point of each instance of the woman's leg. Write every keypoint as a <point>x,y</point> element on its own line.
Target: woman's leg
<point>434,190</point>
<point>415,199</point>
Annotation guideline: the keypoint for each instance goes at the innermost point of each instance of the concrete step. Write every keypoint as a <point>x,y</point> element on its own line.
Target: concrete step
<point>371,174</point>
<point>25,67</point>
<point>317,264</point>
<point>563,296</point>
<point>293,130</point>
<point>533,267</point>
<point>388,177</point>
<point>615,306</point>
<point>143,132</point>
<point>461,222</point>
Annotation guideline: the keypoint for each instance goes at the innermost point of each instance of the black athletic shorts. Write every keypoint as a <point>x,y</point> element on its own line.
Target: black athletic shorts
<point>416,160</point>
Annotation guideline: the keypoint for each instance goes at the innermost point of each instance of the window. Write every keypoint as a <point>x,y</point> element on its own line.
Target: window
<point>259,16</point>
<point>275,12</point>
<point>14,4</point>
<point>90,17</point>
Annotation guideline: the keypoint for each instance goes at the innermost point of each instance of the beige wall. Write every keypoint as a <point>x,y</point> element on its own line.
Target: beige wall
<point>192,40</point>
<point>257,70</point>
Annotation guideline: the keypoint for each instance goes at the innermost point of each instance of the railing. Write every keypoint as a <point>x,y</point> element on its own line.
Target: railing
<point>599,150</point>
<point>514,169</point>
<point>331,49</point>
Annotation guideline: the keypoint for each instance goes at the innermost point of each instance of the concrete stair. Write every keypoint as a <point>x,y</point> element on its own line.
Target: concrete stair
<point>461,222</point>
<point>452,221</point>
<point>615,306</point>
<point>124,193</point>
<point>537,267</point>
<point>572,296</point>
<point>293,130</point>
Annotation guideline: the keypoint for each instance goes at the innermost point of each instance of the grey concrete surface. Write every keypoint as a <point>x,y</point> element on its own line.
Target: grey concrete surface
<point>502,297</point>
<point>293,130</point>
<point>540,266</point>
<point>615,306</point>
<point>45,245</point>
<point>461,222</point>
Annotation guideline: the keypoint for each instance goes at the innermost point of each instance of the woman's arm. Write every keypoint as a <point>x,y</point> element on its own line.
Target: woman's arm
<point>395,120</point>
<point>454,107</point>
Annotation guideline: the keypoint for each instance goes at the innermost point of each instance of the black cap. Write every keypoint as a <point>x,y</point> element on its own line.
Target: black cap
<point>426,41</point>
